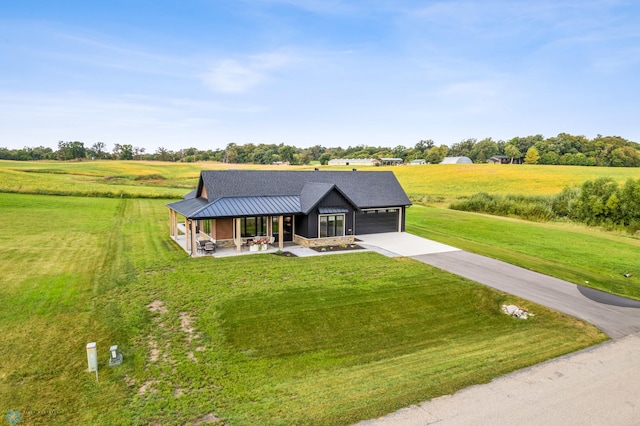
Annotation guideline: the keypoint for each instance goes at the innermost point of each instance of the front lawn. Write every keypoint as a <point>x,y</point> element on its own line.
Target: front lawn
<point>256,339</point>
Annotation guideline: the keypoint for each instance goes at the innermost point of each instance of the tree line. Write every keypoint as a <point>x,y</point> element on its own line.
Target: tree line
<point>563,149</point>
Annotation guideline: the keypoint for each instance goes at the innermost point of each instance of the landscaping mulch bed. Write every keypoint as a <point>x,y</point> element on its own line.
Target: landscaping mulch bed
<point>342,247</point>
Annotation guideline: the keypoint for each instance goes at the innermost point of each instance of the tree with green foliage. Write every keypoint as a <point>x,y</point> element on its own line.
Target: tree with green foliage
<point>436,154</point>
<point>532,156</point>
<point>462,148</point>
<point>422,147</point>
<point>483,150</point>
<point>512,152</point>
<point>71,150</point>
<point>324,158</point>
<point>598,201</point>
<point>97,150</point>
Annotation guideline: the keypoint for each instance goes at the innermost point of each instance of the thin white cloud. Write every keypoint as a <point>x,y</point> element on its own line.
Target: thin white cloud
<point>235,76</point>
<point>229,76</point>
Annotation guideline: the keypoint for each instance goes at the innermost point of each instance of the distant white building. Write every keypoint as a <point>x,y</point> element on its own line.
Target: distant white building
<point>456,160</point>
<point>417,162</point>
<point>354,162</point>
<point>391,161</point>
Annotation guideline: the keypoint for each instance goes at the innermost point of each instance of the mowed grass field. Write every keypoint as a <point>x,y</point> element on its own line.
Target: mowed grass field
<point>250,340</point>
<point>263,339</point>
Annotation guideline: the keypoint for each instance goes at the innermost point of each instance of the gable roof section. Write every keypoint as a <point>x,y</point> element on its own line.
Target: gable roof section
<point>268,192</point>
<point>313,192</point>
<point>363,189</point>
<point>189,206</point>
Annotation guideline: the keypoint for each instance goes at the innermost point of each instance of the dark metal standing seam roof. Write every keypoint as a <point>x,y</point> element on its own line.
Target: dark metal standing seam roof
<point>250,206</point>
<point>331,210</point>
<point>188,206</point>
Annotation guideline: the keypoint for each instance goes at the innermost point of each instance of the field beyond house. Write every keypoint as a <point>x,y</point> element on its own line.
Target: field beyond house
<point>427,183</point>
<point>255,339</point>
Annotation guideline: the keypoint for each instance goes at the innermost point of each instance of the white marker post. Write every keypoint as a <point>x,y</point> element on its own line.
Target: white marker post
<point>92,358</point>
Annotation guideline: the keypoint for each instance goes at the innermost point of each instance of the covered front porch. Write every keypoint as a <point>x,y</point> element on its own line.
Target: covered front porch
<point>239,234</point>
<point>220,252</point>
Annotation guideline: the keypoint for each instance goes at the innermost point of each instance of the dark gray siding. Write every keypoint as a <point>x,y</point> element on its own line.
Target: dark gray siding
<point>302,226</point>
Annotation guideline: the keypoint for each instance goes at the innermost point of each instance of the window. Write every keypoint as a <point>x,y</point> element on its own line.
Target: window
<point>331,225</point>
<point>252,226</point>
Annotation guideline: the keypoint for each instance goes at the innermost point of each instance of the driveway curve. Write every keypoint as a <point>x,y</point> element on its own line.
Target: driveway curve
<point>614,315</point>
<point>596,386</point>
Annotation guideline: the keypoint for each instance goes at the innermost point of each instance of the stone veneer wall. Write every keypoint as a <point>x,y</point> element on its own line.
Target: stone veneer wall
<point>225,243</point>
<point>319,242</point>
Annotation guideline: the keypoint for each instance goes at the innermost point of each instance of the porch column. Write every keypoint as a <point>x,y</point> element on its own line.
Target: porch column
<point>193,240</point>
<point>238,235</point>
<point>175,224</point>
<point>400,219</point>
<point>280,232</point>
<point>171,223</point>
<point>187,231</point>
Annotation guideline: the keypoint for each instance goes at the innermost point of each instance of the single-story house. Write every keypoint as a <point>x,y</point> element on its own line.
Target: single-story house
<point>503,159</point>
<point>456,160</point>
<point>309,208</point>
<point>354,162</point>
<point>418,162</point>
<point>391,161</point>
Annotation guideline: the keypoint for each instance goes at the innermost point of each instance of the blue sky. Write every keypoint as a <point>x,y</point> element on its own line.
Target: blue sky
<point>205,73</point>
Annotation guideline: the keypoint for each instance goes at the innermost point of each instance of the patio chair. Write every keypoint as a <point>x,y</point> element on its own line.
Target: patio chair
<point>272,240</point>
<point>200,246</point>
<point>209,247</point>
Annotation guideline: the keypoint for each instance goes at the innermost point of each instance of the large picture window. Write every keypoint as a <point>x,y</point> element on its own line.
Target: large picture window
<point>331,225</point>
<point>252,226</point>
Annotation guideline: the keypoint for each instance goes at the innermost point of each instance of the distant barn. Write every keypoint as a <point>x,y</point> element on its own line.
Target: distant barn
<point>456,160</point>
<point>503,159</point>
<point>391,161</point>
<point>354,162</point>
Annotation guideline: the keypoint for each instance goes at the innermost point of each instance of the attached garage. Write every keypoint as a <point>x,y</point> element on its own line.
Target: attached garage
<point>376,221</point>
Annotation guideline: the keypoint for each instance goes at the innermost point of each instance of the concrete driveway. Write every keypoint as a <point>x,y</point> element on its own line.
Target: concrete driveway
<point>395,244</point>
<point>597,386</point>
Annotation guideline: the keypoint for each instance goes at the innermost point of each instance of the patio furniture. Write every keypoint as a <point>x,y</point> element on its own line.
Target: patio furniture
<point>209,247</point>
<point>201,246</point>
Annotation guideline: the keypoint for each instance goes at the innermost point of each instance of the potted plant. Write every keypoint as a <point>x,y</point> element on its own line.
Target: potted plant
<point>258,244</point>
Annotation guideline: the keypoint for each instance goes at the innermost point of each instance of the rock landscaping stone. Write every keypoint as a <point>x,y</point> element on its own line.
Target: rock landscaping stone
<point>516,312</point>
